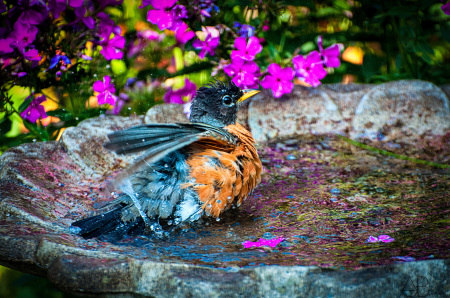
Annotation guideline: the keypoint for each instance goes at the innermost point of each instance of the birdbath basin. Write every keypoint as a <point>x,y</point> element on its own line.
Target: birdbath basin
<point>328,199</point>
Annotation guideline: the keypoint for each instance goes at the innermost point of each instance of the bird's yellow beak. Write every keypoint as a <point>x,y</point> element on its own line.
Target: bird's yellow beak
<point>247,93</point>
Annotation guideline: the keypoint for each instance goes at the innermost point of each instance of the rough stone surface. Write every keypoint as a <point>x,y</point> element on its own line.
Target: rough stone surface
<point>403,108</point>
<point>304,111</point>
<point>45,186</point>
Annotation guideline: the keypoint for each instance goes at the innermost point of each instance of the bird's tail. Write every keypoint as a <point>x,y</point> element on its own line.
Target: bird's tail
<point>109,223</point>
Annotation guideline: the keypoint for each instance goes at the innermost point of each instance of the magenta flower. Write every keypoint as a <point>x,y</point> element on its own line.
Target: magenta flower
<point>33,55</point>
<point>35,110</point>
<point>105,91</point>
<point>5,46</point>
<point>244,73</point>
<point>176,96</point>
<point>149,34</point>
<point>309,69</point>
<point>121,100</point>
<point>112,47</point>
<point>106,27</point>
<point>446,8</point>
<point>381,238</point>
<point>246,51</point>
<point>162,15</point>
<point>330,55</point>
<point>210,43</point>
<point>22,35</point>
<point>279,80</point>
<point>263,242</point>
<point>183,34</point>
<point>88,21</point>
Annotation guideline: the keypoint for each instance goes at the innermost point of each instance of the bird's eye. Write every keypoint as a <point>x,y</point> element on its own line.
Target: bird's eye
<point>227,101</point>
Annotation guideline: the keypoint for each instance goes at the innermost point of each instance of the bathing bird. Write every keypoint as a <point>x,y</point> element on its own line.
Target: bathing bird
<point>187,171</point>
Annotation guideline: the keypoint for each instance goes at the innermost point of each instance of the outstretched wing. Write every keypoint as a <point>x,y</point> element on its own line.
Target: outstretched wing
<point>158,140</point>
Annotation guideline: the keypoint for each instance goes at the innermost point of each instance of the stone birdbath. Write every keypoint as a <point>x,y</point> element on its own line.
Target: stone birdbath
<point>356,183</point>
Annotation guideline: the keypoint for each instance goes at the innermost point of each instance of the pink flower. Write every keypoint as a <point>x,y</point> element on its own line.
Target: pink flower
<point>244,73</point>
<point>210,43</point>
<point>35,110</point>
<point>162,15</point>
<point>279,80</point>
<point>112,47</point>
<point>381,238</point>
<point>263,242</point>
<point>310,69</point>
<point>330,55</point>
<point>182,34</point>
<point>106,91</point>
<point>176,96</point>
<point>246,51</point>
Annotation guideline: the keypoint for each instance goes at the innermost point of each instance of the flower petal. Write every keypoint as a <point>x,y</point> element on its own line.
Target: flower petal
<point>240,43</point>
<point>274,69</point>
<point>254,47</point>
<point>98,86</point>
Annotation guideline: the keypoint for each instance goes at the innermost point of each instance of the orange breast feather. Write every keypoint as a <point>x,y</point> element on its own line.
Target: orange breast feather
<point>222,178</point>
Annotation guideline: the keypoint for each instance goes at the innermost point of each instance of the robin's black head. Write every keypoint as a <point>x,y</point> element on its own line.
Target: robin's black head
<point>217,103</point>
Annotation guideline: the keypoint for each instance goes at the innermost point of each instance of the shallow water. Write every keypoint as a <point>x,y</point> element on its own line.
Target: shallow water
<point>325,198</point>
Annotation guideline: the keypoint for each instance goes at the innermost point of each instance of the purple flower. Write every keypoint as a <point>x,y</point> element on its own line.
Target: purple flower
<point>210,43</point>
<point>112,47</point>
<point>183,35</point>
<point>55,60</point>
<point>56,7</point>
<point>35,110</point>
<point>121,100</point>
<point>263,242</point>
<point>330,55</point>
<point>372,239</point>
<point>309,69</point>
<point>33,55</point>
<point>88,21</point>
<point>244,30</point>
<point>244,73</point>
<point>246,51</point>
<point>106,91</point>
<point>162,15</point>
<point>34,15</point>
<point>385,238</point>
<point>22,35</point>
<point>179,12</point>
<point>176,96</point>
<point>279,80</point>
<point>446,8</point>
<point>106,27</point>
<point>381,238</point>
<point>5,46</point>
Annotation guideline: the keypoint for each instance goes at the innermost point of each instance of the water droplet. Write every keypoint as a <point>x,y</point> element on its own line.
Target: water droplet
<point>218,201</point>
<point>166,165</point>
<point>143,140</point>
<point>170,222</point>
<point>217,219</point>
<point>229,199</point>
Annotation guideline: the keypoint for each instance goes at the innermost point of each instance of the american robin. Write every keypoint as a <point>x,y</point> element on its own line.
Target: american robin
<point>188,170</point>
